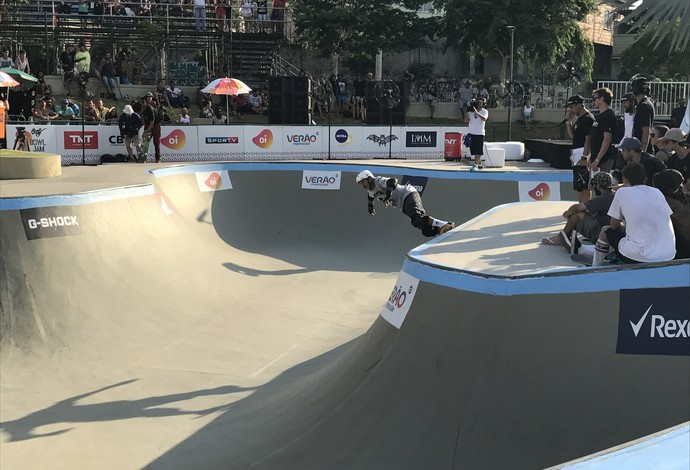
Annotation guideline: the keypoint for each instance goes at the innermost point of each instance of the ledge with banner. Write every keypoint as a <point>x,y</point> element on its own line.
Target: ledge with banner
<point>249,142</point>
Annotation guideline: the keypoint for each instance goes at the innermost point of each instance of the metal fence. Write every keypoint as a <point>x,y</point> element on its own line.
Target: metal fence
<point>665,95</point>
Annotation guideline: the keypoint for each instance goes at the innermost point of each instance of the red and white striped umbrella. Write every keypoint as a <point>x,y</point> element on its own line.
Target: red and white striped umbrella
<point>227,86</point>
<point>7,81</point>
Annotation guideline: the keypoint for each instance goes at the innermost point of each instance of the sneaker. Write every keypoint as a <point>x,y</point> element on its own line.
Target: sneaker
<point>445,228</point>
<point>584,259</point>
<point>480,167</point>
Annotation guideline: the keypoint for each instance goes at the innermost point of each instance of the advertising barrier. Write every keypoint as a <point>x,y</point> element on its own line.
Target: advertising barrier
<point>240,142</point>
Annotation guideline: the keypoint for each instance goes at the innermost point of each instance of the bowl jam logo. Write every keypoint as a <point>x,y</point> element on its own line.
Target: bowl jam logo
<point>302,139</point>
<point>342,137</point>
<point>264,140</point>
<point>540,192</point>
<point>175,140</point>
<point>73,140</point>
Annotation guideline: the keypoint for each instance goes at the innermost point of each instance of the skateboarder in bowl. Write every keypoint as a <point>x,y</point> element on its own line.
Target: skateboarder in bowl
<point>404,197</point>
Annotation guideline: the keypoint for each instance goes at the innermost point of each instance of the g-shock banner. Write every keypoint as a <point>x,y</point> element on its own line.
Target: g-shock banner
<point>51,222</point>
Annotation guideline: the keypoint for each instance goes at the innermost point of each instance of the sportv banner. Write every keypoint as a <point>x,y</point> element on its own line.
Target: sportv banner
<point>654,321</point>
<point>221,140</point>
<point>400,300</point>
<point>530,191</point>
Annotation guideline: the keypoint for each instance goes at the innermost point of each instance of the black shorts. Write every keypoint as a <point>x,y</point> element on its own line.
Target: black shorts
<point>477,145</point>
<point>614,237</point>
<point>580,178</point>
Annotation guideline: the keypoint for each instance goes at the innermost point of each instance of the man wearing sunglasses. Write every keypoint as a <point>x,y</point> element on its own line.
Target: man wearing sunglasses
<point>601,141</point>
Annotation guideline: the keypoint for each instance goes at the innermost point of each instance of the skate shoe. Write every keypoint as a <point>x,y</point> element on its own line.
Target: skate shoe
<point>445,228</point>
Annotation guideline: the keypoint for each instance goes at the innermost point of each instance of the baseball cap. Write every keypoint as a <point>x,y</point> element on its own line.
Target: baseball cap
<point>65,101</point>
<point>149,94</point>
<point>575,99</point>
<point>675,134</point>
<point>128,109</point>
<point>632,143</point>
<point>601,179</point>
<point>628,97</point>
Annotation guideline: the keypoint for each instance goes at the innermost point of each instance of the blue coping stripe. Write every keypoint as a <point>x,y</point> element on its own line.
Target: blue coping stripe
<point>669,451</point>
<point>579,280</point>
<point>525,175</point>
<point>77,199</point>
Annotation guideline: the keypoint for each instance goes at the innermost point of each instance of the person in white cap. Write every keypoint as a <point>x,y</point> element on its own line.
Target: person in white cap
<point>404,197</point>
<point>674,142</point>
<point>130,124</point>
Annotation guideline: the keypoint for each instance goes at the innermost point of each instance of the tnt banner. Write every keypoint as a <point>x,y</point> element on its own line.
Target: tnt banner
<point>303,139</point>
<point>208,181</point>
<point>177,143</point>
<point>263,141</point>
<point>320,179</point>
<point>654,321</point>
<point>345,142</point>
<point>400,300</point>
<point>73,143</point>
<point>422,142</point>
<point>378,141</point>
<point>227,140</point>
<point>530,191</point>
<point>39,138</point>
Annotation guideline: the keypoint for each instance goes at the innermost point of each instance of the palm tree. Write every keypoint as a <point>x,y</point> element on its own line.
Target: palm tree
<point>669,15</point>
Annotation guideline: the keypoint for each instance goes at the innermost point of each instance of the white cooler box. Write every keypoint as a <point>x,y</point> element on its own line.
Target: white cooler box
<point>513,150</point>
<point>494,157</point>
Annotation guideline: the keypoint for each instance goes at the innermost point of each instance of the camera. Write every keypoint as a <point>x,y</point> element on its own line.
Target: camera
<point>20,132</point>
<point>471,105</point>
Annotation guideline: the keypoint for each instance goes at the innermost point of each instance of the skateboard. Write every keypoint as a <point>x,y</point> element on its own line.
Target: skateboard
<point>144,148</point>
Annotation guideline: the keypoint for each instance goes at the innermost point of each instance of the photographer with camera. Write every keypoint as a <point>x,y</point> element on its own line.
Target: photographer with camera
<point>476,117</point>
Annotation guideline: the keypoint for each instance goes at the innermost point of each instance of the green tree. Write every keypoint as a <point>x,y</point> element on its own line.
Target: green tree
<point>359,27</point>
<point>647,57</point>
<point>671,17</point>
<point>547,31</point>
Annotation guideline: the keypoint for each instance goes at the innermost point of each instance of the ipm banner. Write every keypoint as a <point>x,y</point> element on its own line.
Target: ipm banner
<point>400,300</point>
<point>531,191</point>
<point>654,321</point>
<point>421,142</point>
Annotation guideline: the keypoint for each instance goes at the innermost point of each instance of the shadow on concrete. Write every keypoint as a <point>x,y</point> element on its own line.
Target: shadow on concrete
<point>70,410</point>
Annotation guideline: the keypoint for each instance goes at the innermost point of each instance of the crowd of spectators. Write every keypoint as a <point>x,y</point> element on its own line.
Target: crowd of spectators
<point>640,211</point>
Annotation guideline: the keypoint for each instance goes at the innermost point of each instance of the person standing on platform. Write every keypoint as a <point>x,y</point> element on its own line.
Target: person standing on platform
<point>476,119</point>
<point>601,142</point>
<point>579,126</point>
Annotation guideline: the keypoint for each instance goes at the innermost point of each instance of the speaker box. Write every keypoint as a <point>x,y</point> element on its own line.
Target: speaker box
<point>289,100</point>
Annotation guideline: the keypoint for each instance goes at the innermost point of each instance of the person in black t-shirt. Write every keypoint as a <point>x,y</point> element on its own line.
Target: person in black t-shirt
<point>678,113</point>
<point>644,113</point>
<point>631,149</point>
<point>601,142</point>
<point>675,141</point>
<point>579,129</point>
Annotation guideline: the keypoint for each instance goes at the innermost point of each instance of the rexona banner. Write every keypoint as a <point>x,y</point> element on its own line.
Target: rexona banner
<point>51,222</point>
<point>320,180</point>
<point>399,301</point>
<point>530,191</point>
<point>213,180</point>
<point>654,321</point>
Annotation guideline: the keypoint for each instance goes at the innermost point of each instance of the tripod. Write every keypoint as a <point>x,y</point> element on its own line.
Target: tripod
<point>20,142</point>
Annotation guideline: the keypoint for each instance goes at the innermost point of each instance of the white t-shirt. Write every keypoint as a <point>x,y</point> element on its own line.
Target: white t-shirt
<point>628,121</point>
<point>185,119</point>
<point>476,125</point>
<point>254,101</point>
<point>648,230</point>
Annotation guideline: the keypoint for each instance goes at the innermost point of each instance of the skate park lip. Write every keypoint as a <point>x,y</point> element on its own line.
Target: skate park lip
<point>456,260</point>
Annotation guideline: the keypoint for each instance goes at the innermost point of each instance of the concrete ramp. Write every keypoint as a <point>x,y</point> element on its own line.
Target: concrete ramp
<point>169,327</point>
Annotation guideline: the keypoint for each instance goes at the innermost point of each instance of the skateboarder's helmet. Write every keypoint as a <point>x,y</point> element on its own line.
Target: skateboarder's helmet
<point>363,175</point>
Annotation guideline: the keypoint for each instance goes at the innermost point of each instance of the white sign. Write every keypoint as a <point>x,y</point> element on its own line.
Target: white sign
<point>260,140</point>
<point>221,139</point>
<point>320,179</point>
<point>178,140</point>
<point>400,300</point>
<point>213,180</point>
<point>380,140</point>
<point>530,191</point>
<point>302,139</point>
<point>39,138</point>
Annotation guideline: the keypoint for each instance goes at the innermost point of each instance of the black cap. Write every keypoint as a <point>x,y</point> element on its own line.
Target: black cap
<point>628,97</point>
<point>575,99</point>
